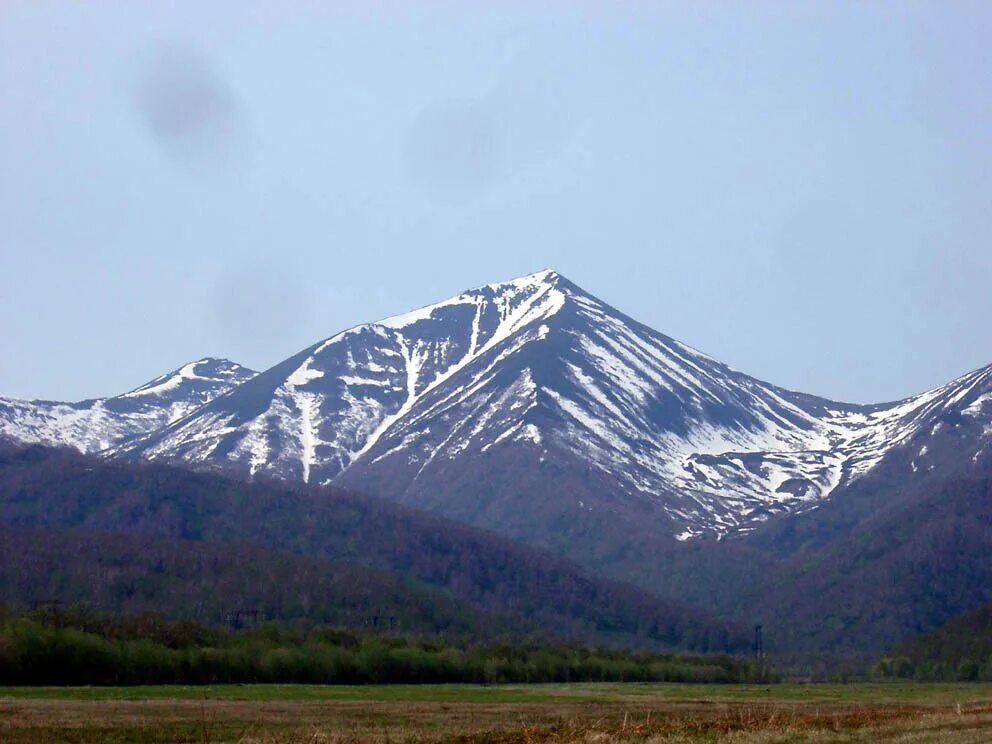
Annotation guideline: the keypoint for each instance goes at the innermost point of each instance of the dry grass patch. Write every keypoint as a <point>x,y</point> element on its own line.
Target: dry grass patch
<point>637,718</point>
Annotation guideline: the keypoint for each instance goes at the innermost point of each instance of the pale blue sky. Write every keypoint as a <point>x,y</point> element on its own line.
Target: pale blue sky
<point>799,189</point>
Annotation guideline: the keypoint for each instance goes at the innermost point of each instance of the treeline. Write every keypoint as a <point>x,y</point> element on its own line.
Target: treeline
<point>959,651</point>
<point>78,647</point>
<point>963,669</point>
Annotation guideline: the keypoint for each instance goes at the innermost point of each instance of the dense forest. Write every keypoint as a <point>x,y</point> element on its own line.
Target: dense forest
<point>218,584</point>
<point>80,501</point>
<point>79,647</point>
<point>961,651</point>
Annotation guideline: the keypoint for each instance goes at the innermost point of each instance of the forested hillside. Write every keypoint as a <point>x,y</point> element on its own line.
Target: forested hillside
<point>226,584</point>
<point>960,650</point>
<point>58,490</point>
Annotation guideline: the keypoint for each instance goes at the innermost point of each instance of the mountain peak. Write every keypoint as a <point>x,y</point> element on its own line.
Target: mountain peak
<point>207,370</point>
<point>545,276</point>
<point>513,296</point>
<point>100,423</point>
<point>548,278</point>
<point>222,362</point>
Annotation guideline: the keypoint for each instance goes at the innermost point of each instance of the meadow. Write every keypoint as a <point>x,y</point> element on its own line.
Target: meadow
<point>595,712</point>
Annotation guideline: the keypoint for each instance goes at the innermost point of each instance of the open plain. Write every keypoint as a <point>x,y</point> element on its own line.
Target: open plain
<point>859,712</point>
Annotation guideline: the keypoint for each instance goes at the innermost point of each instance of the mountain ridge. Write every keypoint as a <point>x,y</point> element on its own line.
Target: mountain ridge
<point>450,406</point>
<point>541,366</point>
<point>100,423</point>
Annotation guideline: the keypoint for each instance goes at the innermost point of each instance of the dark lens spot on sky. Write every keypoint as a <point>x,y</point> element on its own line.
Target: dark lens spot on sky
<point>187,108</point>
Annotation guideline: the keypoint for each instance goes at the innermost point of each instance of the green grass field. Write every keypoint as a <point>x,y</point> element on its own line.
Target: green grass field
<point>896,712</point>
<point>607,692</point>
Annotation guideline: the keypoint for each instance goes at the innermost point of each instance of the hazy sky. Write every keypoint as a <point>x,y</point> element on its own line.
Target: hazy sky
<point>799,189</point>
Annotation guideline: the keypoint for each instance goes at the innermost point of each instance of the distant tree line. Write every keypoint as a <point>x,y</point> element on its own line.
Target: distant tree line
<point>81,647</point>
<point>964,669</point>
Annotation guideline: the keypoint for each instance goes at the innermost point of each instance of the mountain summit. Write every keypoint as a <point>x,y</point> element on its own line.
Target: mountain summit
<point>530,406</point>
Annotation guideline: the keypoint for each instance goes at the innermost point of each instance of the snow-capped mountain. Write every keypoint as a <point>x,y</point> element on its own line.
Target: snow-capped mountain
<point>532,401</point>
<point>94,425</point>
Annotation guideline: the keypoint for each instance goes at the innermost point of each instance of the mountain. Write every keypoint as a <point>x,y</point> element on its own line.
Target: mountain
<point>531,407</point>
<point>249,535</point>
<point>96,424</point>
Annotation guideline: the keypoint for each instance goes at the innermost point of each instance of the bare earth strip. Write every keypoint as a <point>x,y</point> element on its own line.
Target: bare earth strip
<point>586,713</point>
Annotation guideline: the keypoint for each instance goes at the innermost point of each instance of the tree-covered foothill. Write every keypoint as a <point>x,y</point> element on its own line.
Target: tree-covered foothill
<point>136,537</point>
<point>960,651</point>
<point>79,647</point>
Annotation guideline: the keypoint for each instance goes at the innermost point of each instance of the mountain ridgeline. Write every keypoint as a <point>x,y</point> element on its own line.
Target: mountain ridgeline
<point>95,425</point>
<point>469,406</point>
<point>532,409</point>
